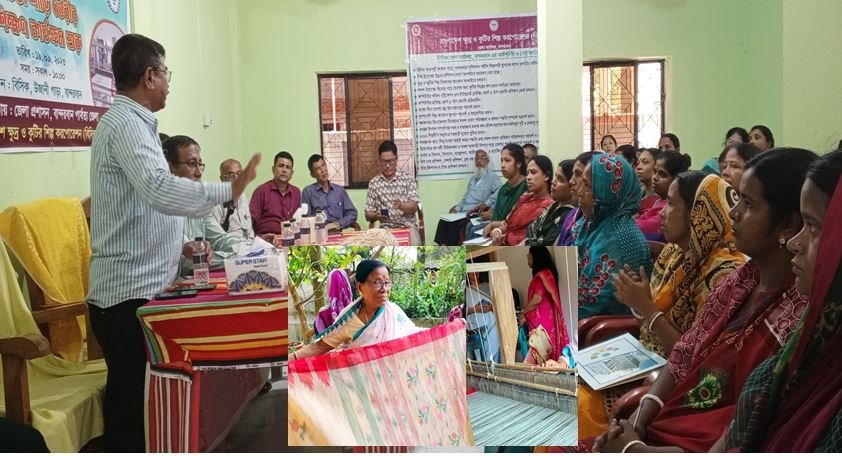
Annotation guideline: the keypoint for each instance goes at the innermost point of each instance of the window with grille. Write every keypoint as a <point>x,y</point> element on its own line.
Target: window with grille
<point>357,113</point>
<point>625,100</point>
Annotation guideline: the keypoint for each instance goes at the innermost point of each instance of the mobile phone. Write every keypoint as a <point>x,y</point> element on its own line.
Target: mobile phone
<point>193,286</point>
<point>384,212</point>
<point>177,294</point>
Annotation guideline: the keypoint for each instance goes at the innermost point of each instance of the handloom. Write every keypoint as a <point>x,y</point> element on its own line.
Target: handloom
<point>405,392</point>
<point>514,403</point>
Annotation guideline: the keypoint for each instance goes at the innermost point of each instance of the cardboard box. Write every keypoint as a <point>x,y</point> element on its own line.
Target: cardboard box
<point>257,274</point>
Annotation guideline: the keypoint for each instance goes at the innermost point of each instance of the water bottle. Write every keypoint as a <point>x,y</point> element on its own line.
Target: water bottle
<point>296,231</point>
<point>304,231</point>
<point>201,268</point>
<point>321,228</point>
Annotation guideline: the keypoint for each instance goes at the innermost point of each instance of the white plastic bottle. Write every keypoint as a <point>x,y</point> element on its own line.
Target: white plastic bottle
<point>201,267</point>
<point>321,228</point>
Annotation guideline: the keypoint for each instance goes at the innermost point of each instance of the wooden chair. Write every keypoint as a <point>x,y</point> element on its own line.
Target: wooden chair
<point>17,350</point>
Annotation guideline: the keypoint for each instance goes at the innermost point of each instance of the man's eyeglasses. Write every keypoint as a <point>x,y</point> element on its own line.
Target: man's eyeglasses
<point>168,73</point>
<point>379,285</point>
<point>388,162</point>
<point>192,164</point>
<point>231,176</point>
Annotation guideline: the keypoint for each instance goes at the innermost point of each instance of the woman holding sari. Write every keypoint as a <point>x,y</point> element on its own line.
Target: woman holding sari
<point>699,255</point>
<point>371,319</point>
<point>542,313</point>
<point>606,236</point>
<point>792,402</point>
<point>546,228</point>
<point>749,316</point>
<point>512,231</point>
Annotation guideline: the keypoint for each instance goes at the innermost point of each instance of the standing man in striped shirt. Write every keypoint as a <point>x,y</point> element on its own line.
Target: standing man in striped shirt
<point>137,223</point>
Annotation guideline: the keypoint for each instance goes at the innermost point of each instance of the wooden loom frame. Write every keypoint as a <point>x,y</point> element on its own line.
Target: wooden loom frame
<point>503,304</point>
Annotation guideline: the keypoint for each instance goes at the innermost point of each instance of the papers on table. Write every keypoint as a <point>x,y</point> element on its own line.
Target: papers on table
<point>478,241</point>
<point>614,362</point>
<point>454,217</point>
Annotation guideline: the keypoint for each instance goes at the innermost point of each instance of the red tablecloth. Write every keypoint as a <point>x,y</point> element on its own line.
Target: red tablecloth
<point>212,343</point>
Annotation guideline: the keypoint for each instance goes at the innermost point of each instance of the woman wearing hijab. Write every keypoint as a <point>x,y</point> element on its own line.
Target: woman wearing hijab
<point>607,236</point>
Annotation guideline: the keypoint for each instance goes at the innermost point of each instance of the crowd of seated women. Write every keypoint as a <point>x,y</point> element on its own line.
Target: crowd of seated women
<point>743,300</point>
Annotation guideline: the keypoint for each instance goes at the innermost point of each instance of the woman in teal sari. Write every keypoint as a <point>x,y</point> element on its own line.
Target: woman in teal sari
<point>607,237</point>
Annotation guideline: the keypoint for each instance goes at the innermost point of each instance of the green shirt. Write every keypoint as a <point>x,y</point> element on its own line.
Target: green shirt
<point>506,198</point>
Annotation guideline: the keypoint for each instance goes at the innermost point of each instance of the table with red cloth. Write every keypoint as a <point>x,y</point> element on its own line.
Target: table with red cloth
<point>400,234</point>
<point>205,355</point>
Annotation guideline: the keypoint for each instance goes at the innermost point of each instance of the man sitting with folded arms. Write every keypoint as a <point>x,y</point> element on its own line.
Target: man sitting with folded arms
<point>392,195</point>
<point>480,194</point>
<point>328,197</point>
<point>233,216</point>
<point>185,159</point>
<point>275,201</point>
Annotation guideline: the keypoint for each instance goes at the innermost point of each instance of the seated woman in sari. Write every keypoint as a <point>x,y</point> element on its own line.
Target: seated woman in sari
<point>606,236</point>
<point>747,318</point>
<point>668,165</point>
<point>546,228</point>
<point>512,231</point>
<point>371,319</point>
<point>699,255</point>
<point>565,235</point>
<point>542,313</point>
<point>791,403</point>
<point>339,294</point>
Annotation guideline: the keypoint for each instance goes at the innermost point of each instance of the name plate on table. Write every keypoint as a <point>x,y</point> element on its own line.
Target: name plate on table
<point>256,274</point>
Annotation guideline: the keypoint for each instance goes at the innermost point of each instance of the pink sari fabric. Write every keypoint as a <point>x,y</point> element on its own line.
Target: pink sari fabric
<point>649,219</point>
<point>340,295</point>
<point>548,313</point>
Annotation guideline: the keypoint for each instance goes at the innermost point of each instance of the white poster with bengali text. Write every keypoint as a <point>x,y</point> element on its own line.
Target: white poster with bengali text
<point>474,85</point>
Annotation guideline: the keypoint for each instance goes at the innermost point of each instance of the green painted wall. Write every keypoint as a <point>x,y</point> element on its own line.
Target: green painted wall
<point>812,76</point>
<point>285,44</point>
<point>201,39</point>
<point>722,60</point>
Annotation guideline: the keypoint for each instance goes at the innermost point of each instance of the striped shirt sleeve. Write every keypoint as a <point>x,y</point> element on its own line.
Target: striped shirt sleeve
<point>147,172</point>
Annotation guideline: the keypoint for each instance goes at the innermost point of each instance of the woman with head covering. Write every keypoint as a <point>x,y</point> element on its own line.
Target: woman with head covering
<point>746,319</point>
<point>607,236</point>
<point>512,231</point>
<point>792,402</point>
<point>700,253</point>
<point>340,295</point>
<point>542,312</point>
<point>547,226</point>
<point>371,319</point>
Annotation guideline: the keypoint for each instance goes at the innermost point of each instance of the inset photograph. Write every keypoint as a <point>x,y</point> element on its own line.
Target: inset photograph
<point>520,308</point>
<point>376,359</point>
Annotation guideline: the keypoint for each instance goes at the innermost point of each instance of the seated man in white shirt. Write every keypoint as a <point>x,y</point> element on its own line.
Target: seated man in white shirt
<point>233,216</point>
<point>184,157</point>
<point>480,317</point>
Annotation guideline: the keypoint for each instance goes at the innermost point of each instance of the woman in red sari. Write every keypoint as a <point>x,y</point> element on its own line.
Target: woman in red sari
<point>543,308</point>
<point>792,402</point>
<point>746,319</point>
<point>512,231</point>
